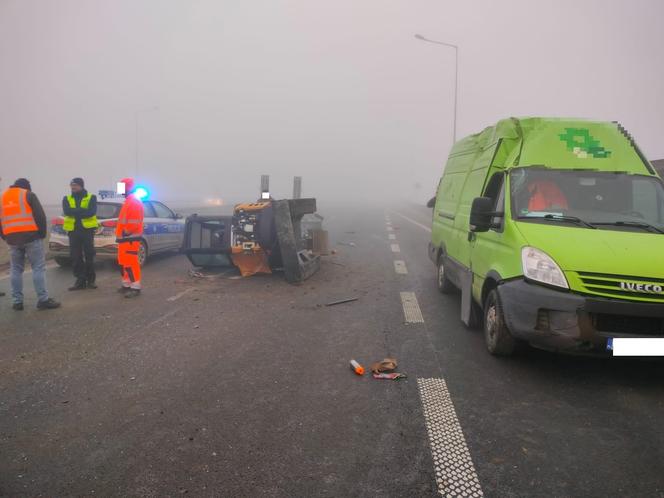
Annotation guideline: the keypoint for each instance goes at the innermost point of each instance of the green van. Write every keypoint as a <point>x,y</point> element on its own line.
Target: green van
<point>553,230</point>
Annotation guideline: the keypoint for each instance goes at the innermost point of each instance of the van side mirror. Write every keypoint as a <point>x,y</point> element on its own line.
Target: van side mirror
<point>481,214</point>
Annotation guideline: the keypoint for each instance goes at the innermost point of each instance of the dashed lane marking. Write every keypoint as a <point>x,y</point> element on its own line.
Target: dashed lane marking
<point>400,267</point>
<point>390,229</point>
<point>396,248</point>
<point>453,465</point>
<point>162,318</point>
<point>411,308</point>
<point>423,227</point>
<point>392,236</point>
<point>180,294</point>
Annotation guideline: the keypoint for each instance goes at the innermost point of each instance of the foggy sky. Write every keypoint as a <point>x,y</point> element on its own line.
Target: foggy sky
<point>338,91</point>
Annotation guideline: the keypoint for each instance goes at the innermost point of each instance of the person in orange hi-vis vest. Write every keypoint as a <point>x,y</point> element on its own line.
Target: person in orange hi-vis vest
<point>129,233</point>
<point>546,195</point>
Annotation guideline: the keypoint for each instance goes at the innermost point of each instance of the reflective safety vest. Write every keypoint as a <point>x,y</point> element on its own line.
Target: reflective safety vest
<point>16,214</point>
<point>130,219</point>
<point>70,221</point>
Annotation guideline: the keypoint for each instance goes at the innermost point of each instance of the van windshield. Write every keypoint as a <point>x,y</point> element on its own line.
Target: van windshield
<point>588,199</point>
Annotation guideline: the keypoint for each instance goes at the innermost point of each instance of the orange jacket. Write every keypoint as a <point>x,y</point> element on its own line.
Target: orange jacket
<point>16,213</point>
<point>545,195</point>
<point>130,220</point>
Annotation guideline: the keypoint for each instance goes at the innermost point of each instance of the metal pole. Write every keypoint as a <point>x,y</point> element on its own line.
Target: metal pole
<point>136,145</point>
<point>456,92</point>
<point>297,187</point>
<point>136,113</point>
<point>456,77</point>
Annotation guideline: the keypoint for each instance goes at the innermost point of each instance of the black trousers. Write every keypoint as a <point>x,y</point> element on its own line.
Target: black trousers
<point>82,253</point>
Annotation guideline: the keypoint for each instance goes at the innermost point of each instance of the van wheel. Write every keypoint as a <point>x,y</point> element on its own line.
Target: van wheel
<point>445,286</point>
<point>498,339</point>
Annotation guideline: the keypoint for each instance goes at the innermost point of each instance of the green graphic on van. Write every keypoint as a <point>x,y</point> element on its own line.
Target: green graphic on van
<point>582,144</point>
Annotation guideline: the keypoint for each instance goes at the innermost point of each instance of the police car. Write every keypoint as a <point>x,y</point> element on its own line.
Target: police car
<point>163,231</point>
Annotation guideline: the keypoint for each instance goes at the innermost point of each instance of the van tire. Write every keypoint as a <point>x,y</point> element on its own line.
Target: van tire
<point>499,340</point>
<point>445,286</point>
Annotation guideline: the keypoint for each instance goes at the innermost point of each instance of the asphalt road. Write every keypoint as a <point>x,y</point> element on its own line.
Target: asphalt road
<point>224,386</point>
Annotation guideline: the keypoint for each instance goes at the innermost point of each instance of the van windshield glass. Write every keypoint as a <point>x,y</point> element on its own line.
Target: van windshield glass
<point>588,199</point>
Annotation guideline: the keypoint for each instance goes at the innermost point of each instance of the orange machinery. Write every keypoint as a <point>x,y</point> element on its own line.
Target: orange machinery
<point>251,239</point>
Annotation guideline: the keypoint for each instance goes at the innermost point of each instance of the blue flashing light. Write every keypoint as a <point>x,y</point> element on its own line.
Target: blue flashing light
<point>142,193</point>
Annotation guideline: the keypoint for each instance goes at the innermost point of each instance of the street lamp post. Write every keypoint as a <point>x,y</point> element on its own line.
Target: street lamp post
<point>456,76</point>
<point>136,114</point>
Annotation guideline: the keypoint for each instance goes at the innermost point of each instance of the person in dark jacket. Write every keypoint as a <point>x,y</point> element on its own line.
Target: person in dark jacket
<point>23,226</point>
<point>80,223</point>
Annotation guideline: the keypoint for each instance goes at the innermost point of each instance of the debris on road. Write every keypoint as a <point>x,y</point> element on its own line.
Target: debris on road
<point>389,376</point>
<point>350,244</point>
<point>198,274</point>
<point>356,367</point>
<point>387,365</point>
<point>342,301</point>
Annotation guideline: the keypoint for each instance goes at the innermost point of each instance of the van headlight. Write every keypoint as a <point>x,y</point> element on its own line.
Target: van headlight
<point>539,267</point>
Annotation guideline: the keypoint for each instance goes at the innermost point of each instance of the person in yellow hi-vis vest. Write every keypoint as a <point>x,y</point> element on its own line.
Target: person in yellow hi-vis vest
<point>80,223</point>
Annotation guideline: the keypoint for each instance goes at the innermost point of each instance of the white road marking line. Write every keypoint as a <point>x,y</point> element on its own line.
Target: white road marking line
<point>396,248</point>
<point>392,236</point>
<point>453,465</point>
<point>180,294</point>
<point>411,308</point>
<point>424,227</point>
<point>162,318</point>
<point>390,229</point>
<point>400,267</point>
<point>49,266</point>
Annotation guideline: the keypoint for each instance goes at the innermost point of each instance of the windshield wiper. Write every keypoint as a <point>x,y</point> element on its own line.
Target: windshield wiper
<point>637,224</point>
<point>560,217</point>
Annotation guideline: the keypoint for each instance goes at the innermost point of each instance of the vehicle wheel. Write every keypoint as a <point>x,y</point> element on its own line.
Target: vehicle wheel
<point>445,286</point>
<point>498,339</point>
<point>63,262</point>
<point>142,254</point>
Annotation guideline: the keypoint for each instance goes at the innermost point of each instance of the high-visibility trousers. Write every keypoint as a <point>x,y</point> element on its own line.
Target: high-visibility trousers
<point>128,260</point>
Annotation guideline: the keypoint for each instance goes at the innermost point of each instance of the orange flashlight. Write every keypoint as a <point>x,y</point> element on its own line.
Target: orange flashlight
<point>356,367</point>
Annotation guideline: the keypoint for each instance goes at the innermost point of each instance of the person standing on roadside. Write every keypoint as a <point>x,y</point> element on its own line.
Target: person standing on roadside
<point>2,294</point>
<point>23,227</point>
<point>129,233</point>
<point>80,223</point>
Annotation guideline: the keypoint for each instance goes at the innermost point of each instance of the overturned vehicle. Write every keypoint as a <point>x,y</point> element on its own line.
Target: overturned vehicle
<point>259,237</point>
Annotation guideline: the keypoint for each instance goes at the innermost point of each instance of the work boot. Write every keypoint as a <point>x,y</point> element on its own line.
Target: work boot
<point>49,304</point>
<point>133,293</point>
<point>17,306</point>
<point>123,289</point>
<point>91,284</point>
<point>79,285</point>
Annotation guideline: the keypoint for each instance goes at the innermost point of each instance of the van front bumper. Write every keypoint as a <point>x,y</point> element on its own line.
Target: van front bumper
<point>565,321</point>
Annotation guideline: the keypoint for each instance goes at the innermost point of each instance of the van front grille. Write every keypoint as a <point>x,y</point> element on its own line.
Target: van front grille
<point>623,287</point>
<point>629,325</point>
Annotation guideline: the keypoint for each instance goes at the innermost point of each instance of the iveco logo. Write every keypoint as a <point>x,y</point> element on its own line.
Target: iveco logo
<point>651,288</point>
